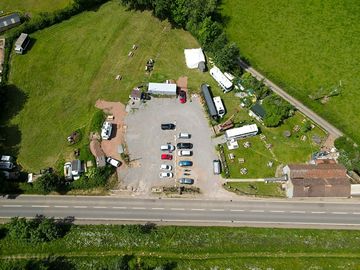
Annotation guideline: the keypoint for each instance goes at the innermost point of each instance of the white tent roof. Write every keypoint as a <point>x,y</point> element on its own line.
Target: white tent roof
<point>193,57</point>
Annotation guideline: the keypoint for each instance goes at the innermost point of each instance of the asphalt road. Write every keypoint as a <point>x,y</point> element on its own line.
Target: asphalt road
<point>297,104</point>
<point>344,214</point>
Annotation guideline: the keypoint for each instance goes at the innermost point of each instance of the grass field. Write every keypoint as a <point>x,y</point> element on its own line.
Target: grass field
<point>32,6</point>
<point>304,46</point>
<point>90,247</point>
<point>72,64</point>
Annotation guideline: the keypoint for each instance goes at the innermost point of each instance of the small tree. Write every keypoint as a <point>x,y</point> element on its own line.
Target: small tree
<point>47,183</point>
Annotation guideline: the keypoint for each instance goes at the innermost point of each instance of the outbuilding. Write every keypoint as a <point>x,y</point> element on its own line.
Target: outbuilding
<point>9,21</point>
<point>258,112</point>
<point>162,89</point>
<point>21,43</point>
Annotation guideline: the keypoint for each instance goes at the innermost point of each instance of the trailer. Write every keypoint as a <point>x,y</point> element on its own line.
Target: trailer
<point>221,79</point>
<point>209,101</point>
<point>219,106</point>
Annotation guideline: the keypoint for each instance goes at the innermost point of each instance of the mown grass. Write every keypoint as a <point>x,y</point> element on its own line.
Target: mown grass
<point>199,247</point>
<point>256,188</point>
<point>72,64</point>
<point>304,46</point>
<point>33,6</point>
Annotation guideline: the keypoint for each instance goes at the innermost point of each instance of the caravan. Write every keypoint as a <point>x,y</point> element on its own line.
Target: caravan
<point>219,106</point>
<point>221,79</point>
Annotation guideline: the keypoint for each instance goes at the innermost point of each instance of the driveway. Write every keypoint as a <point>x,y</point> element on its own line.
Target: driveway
<point>144,137</point>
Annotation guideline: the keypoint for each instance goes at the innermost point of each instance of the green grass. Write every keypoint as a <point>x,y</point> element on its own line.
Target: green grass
<point>256,188</point>
<point>74,63</point>
<point>32,6</point>
<point>198,247</point>
<point>304,46</point>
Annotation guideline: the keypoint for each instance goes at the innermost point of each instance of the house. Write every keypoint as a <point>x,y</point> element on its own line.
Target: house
<point>9,21</point>
<point>162,89</point>
<point>258,112</point>
<point>317,180</point>
<point>21,43</point>
<point>241,132</point>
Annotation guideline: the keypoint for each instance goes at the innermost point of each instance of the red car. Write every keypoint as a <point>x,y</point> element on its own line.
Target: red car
<point>166,156</point>
<point>182,96</point>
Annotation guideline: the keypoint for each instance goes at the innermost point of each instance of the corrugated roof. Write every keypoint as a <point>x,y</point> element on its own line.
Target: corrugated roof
<point>6,21</point>
<point>258,110</point>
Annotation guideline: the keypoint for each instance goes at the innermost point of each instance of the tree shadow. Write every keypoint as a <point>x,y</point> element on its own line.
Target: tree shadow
<point>30,45</point>
<point>3,232</point>
<point>52,262</point>
<point>65,224</point>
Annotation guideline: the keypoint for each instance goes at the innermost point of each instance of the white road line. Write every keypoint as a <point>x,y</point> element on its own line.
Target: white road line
<point>277,211</point>
<point>11,205</point>
<point>177,209</point>
<point>236,210</point>
<point>339,213</point>
<point>157,208</point>
<point>297,212</point>
<point>217,210</point>
<point>99,207</point>
<point>80,206</point>
<point>61,206</point>
<point>314,212</point>
<point>197,209</point>
<point>40,206</point>
<point>356,213</point>
<point>138,208</point>
<point>257,211</point>
<point>119,207</point>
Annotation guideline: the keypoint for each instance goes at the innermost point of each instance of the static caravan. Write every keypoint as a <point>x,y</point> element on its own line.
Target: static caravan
<point>241,132</point>
<point>22,43</point>
<point>219,106</point>
<point>209,101</point>
<point>162,89</point>
<point>221,79</point>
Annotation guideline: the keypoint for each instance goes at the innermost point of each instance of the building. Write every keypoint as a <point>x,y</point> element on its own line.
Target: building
<point>9,21</point>
<point>241,132</point>
<point>221,79</point>
<point>209,101</point>
<point>162,89</point>
<point>21,43</point>
<point>317,180</point>
<point>258,112</point>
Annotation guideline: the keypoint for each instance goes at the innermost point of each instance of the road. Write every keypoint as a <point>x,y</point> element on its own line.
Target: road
<point>297,104</point>
<point>266,213</point>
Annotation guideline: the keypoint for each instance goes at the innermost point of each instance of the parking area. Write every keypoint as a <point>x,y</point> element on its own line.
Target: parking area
<point>144,137</point>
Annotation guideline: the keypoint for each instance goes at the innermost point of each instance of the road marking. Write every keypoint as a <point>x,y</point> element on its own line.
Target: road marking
<point>217,210</point>
<point>40,206</point>
<point>61,206</point>
<point>257,211</point>
<point>157,208</point>
<point>236,210</point>
<point>197,209</point>
<point>138,208</point>
<point>99,207</point>
<point>80,206</point>
<point>177,209</point>
<point>297,212</point>
<point>10,205</point>
<point>277,211</point>
<point>119,207</point>
<point>339,213</point>
<point>318,212</point>
<point>356,213</point>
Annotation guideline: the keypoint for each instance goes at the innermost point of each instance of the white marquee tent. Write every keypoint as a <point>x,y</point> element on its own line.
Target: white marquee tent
<point>193,57</point>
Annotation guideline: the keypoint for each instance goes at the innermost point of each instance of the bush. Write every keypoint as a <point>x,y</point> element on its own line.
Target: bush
<point>97,121</point>
<point>47,183</point>
<point>276,110</point>
<point>96,177</point>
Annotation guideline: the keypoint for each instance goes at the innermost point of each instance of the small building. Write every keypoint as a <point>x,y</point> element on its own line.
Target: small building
<point>241,132</point>
<point>9,21</point>
<point>21,43</point>
<point>258,112</point>
<point>209,101</point>
<point>317,180</point>
<point>162,89</point>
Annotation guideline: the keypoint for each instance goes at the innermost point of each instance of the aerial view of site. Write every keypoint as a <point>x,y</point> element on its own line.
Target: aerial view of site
<point>175,134</point>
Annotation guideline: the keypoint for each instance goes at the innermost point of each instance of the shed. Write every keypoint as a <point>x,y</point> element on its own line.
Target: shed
<point>257,111</point>
<point>162,89</point>
<point>21,43</point>
<point>193,57</point>
<point>202,66</point>
<point>9,21</point>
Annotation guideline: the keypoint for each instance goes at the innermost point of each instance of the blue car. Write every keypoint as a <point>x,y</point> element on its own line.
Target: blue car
<point>185,163</point>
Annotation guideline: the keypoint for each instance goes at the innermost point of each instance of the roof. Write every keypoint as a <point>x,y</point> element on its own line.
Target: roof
<point>241,130</point>
<point>202,66</point>
<point>20,41</point>
<point>135,93</point>
<point>7,21</point>
<point>258,110</point>
<point>216,73</point>
<point>319,180</point>
<point>193,57</point>
<point>162,88</point>
<point>209,101</point>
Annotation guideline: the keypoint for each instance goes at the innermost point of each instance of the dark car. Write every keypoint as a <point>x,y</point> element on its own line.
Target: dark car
<point>182,96</point>
<point>185,163</point>
<point>167,126</point>
<point>186,181</point>
<point>183,145</point>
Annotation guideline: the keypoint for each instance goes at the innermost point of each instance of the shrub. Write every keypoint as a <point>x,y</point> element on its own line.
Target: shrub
<point>96,177</point>
<point>47,183</point>
<point>276,109</point>
<point>97,121</point>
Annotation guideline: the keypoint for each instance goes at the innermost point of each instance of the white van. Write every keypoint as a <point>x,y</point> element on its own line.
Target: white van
<point>183,135</point>
<point>167,147</point>
<point>184,153</point>
<point>217,166</point>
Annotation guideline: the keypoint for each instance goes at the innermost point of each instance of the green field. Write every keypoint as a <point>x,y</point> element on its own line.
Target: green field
<point>72,64</point>
<point>32,6</point>
<point>304,46</point>
<point>100,247</point>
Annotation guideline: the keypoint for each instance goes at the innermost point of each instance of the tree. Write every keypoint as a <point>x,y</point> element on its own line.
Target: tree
<point>47,183</point>
<point>162,9</point>
<point>276,109</point>
<point>208,31</point>
<point>227,58</point>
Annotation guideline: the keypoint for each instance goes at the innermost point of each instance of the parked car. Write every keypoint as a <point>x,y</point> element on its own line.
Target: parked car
<point>106,130</point>
<point>184,153</point>
<point>217,166</point>
<point>165,167</point>
<point>67,171</point>
<point>185,163</point>
<point>167,147</point>
<point>182,96</point>
<point>166,175</point>
<point>7,163</point>
<point>167,126</point>
<point>184,145</point>
<point>113,162</point>
<point>186,181</point>
<point>183,135</point>
<point>166,156</point>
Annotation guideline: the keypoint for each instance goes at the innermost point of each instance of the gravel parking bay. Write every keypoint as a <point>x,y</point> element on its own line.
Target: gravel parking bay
<point>144,137</point>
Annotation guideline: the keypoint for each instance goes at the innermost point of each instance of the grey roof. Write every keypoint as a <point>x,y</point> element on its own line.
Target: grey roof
<point>209,100</point>
<point>202,66</point>
<point>7,21</point>
<point>20,41</point>
<point>258,110</point>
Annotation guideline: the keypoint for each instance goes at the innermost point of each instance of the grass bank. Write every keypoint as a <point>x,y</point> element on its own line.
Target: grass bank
<point>33,7</point>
